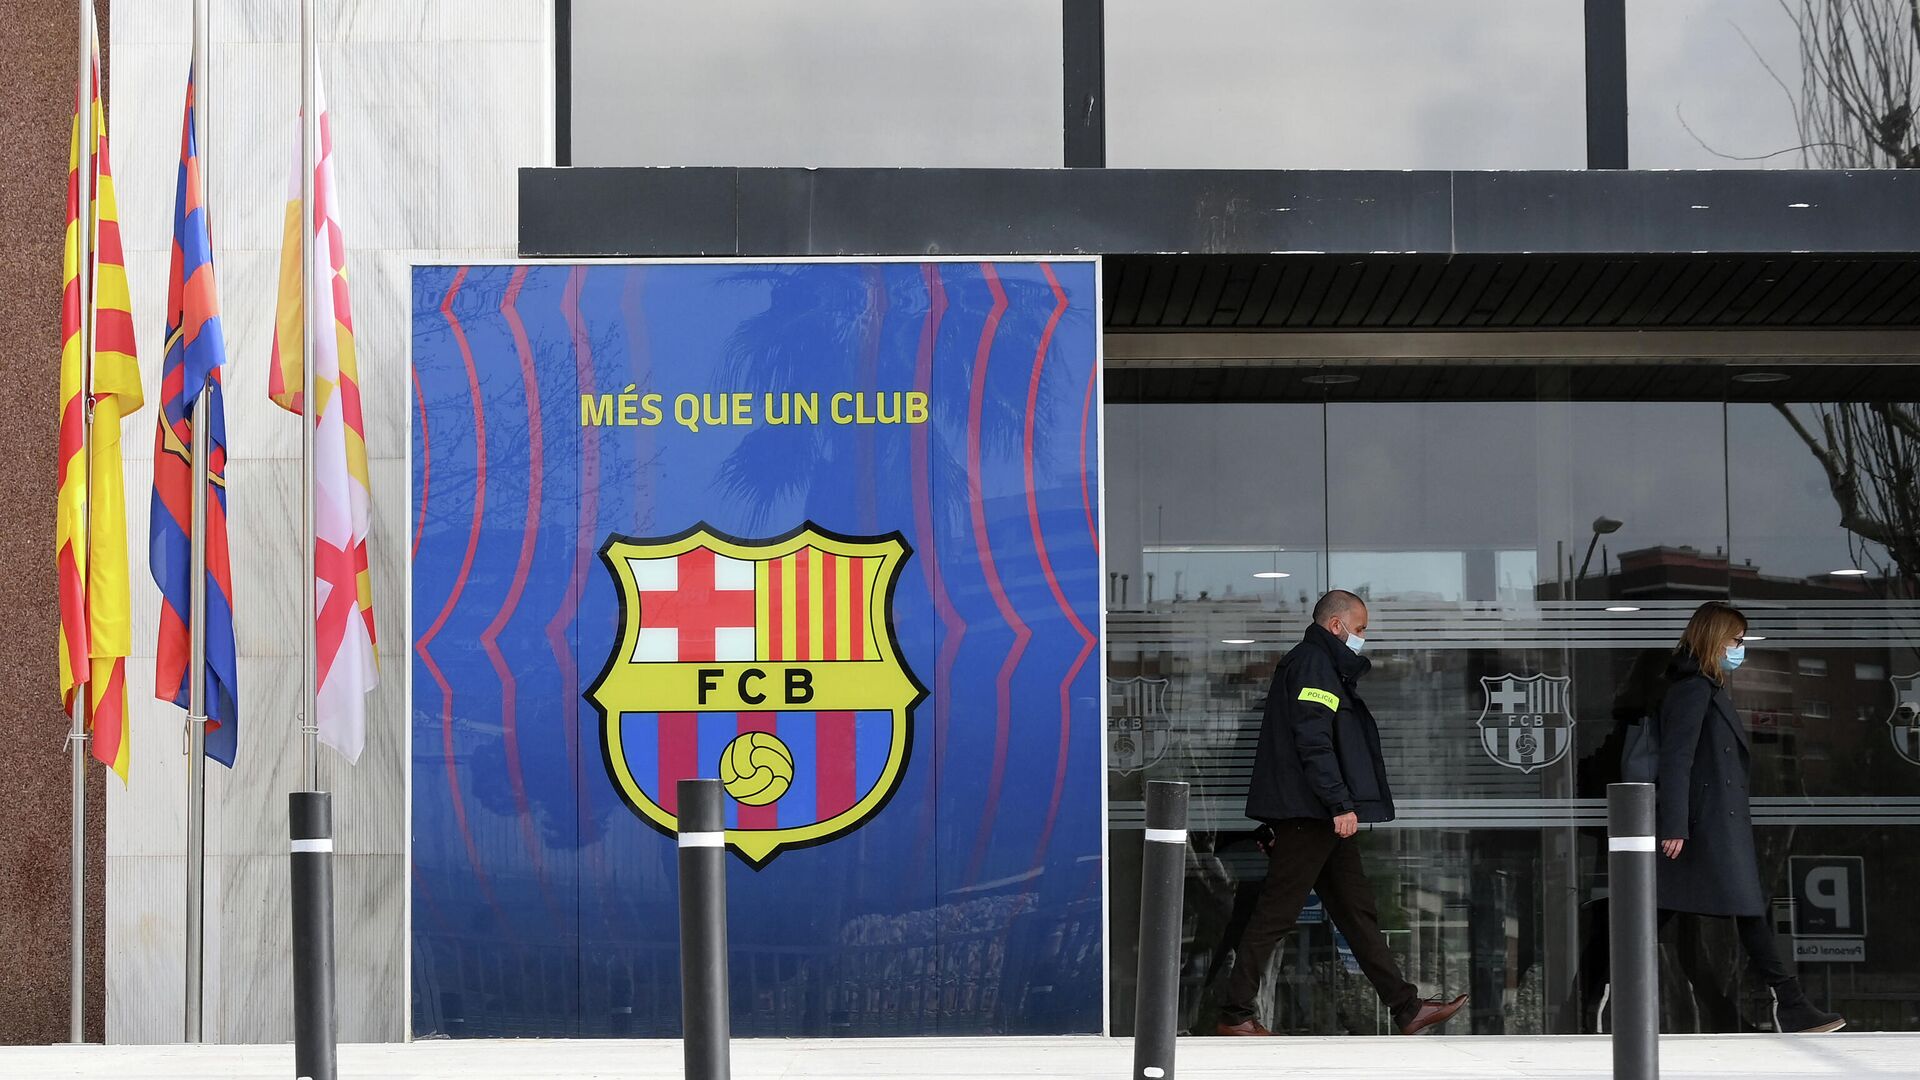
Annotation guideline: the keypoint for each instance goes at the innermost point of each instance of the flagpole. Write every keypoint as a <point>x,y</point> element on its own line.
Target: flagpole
<point>309,160</point>
<point>310,811</point>
<point>77,736</point>
<point>197,615</point>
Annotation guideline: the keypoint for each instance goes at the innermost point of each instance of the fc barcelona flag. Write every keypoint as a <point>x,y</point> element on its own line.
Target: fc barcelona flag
<point>196,355</point>
<point>769,664</point>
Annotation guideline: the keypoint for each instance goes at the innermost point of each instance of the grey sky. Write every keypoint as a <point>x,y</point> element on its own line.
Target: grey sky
<point>1428,84</point>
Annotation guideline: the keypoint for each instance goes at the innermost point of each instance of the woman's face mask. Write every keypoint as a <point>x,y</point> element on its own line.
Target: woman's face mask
<point>1736,655</point>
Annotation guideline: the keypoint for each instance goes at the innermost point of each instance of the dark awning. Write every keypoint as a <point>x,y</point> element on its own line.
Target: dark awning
<point>1211,249</point>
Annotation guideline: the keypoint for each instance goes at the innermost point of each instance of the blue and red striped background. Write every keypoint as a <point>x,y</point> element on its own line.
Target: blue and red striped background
<point>971,903</point>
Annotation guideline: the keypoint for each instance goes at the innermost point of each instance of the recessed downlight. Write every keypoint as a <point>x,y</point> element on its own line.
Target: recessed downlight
<point>1851,571</point>
<point>1331,380</point>
<point>1762,377</point>
<point>1236,641</point>
<point>1621,609</point>
<point>1272,574</point>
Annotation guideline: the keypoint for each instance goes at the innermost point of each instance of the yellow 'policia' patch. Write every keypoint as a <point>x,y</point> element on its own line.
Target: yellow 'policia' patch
<point>1321,697</point>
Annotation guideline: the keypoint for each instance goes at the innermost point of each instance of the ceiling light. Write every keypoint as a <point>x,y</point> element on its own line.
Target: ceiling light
<point>1331,380</point>
<point>1622,609</point>
<point>1272,574</point>
<point>1754,637</point>
<point>1762,377</point>
<point>1236,641</point>
<point>1852,571</point>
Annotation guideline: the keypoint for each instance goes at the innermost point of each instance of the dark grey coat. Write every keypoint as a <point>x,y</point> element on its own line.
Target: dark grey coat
<point>1319,753</point>
<point>1705,769</point>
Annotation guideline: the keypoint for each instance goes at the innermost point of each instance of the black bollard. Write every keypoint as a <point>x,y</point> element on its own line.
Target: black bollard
<point>315,1030</point>
<point>1163,868</point>
<point>704,1025</point>
<point>1632,862</point>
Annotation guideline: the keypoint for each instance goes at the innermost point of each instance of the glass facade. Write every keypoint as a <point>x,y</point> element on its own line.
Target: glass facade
<point>1520,525</point>
<point>1360,84</point>
<point>1249,84</point>
<point>1735,84</point>
<point>826,83</point>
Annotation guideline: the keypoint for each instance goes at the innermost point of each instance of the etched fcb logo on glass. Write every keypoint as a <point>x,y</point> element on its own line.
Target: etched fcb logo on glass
<point>1904,725</point>
<point>1138,725</point>
<point>1528,720</point>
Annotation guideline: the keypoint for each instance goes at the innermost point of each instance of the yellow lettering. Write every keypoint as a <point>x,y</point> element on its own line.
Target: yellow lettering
<point>839,415</point>
<point>686,411</point>
<point>916,407</point>
<point>596,411</point>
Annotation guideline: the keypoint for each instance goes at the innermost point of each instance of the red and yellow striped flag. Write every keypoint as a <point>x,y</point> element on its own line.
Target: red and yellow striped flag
<point>91,533</point>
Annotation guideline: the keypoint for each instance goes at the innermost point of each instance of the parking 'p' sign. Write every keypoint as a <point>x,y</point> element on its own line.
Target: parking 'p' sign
<point>1829,908</point>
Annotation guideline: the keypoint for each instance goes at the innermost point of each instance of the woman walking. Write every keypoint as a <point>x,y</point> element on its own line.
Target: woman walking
<point>1705,823</point>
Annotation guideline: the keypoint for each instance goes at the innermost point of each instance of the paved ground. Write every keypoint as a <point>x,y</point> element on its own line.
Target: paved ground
<point>1750,1057</point>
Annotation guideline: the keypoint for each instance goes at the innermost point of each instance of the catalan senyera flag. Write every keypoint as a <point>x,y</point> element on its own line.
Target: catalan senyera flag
<point>196,357</point>
<point>91,531</point>
<point>343,589</point>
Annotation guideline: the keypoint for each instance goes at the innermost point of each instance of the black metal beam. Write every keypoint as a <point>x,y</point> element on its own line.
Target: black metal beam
<point>1083,52</point>
<point>563,82</point>
<point>1606,84</point>
<point>777,212</point>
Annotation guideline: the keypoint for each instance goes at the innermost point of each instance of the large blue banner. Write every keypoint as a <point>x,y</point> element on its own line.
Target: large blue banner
<point>826,531</point>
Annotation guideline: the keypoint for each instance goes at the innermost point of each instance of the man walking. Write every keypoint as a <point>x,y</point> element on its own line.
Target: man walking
<point>1317,775</point>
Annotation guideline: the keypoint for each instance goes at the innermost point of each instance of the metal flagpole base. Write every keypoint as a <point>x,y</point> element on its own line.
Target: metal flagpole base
<point>1156,1008</point>
<point>315,1027</point>
<point>77,999</point>
<point>196,874</point>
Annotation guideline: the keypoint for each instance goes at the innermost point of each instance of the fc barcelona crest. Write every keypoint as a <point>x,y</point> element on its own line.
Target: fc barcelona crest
<point>1528,722</point>
<point>1904,724</point>
<point>770,664</point>
<point>1138,726</point>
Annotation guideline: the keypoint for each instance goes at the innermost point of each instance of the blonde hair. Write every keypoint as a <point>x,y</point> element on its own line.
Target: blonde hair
<point>1713,624</point>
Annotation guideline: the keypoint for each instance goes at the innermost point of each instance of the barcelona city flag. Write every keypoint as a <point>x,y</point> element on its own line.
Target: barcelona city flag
<point>98,374</point>
<point>196,356</point>
<point>345,662</point>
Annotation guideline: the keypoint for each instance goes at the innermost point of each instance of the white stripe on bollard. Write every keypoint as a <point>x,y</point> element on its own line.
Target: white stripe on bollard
<point>1630,843</point>
<point>703,839</point>
<point>1167,836</point>
<point>312,847</point>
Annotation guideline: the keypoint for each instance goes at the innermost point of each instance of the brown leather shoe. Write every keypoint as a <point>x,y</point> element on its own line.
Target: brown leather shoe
<point>1430,1013</point>
<point>1244,1027</point>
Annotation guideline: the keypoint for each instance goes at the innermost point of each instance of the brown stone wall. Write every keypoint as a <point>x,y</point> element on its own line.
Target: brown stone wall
<point>39,54</point>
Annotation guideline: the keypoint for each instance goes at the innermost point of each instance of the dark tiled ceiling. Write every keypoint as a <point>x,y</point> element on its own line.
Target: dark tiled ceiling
<point>1520,292</point>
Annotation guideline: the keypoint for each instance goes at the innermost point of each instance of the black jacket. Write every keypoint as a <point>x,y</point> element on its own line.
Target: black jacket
<point>1702,795</point>
<point>1319,753</point>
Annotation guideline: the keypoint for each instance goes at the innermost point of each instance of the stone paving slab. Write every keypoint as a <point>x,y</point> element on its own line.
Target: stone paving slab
<point>1747,1057</point>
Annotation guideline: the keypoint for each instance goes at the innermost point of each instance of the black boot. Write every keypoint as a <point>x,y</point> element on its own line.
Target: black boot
<point>1794,1014</point>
